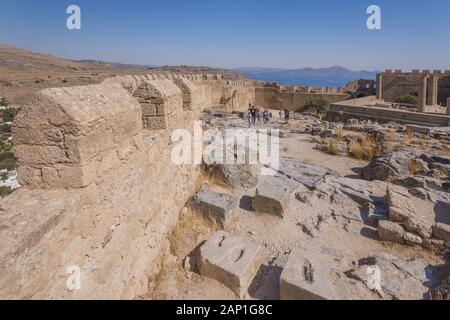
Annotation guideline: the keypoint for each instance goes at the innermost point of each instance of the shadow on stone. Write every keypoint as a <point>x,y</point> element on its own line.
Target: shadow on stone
<point>246,203</point>
<point>369,234</point>
<point>442,212</point>
<point>266,284</point>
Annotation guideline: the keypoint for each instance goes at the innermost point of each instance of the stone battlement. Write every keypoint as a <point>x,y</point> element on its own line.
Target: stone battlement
<point>418,72</point>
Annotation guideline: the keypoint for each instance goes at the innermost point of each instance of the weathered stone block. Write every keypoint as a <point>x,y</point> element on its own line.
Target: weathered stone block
<point>155,123</point>
<point>218,207</point>
<point>391,231</point>
<point>420,228</point>
<point>231,261</point>
<point>274,195</point>
<point>441,231</point>
<point>412,239</point>
<point>400,205</point>
<point>306,276</point>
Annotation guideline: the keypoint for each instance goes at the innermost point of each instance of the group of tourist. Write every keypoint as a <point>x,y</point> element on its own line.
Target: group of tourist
<point>254,115</point>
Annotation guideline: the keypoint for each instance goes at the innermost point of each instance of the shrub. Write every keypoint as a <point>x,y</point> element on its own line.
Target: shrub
<point>8,164</point>
<point>409,99</point>
<point>5,191</point>
<point>4,102</point>
<point>320,106</point>
<point>9,114</point>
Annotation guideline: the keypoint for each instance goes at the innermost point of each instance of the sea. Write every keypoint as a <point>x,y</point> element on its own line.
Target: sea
<point>295,80</point>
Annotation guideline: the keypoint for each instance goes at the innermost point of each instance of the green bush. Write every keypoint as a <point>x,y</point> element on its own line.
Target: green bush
<point>409,99</point>
<point>5,191</point>
<point>320,106</point>
<point>6,155</point>
<point>9,114</point>
<point>8,164</point>
<point>4,102</point>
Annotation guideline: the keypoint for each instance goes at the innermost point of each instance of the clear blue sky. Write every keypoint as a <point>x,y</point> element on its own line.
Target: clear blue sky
<point>236,33</point>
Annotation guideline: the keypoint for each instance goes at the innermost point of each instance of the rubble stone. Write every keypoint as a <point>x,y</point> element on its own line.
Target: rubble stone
<point>387,168</point>
<point>400,205</point>
<point>218,207</point>
<point>391,231</point>
<point>441,231</point>
<point>274,195</point>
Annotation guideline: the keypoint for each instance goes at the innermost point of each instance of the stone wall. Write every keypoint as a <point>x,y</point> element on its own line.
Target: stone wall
<point>100,190</point>
<point>269,97</point>
<point>431,87</point>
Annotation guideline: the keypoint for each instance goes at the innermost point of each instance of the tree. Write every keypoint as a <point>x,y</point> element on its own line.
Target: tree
<point>320,106</point>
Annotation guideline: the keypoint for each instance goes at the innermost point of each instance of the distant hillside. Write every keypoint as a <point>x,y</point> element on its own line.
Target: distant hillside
<point>23,72</point>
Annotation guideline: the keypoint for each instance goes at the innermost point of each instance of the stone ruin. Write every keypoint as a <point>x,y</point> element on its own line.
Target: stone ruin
<point>100,193</point>
<point>99,188</point>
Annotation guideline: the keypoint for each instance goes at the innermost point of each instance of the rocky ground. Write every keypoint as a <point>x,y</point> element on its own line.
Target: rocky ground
<point>356,211</point>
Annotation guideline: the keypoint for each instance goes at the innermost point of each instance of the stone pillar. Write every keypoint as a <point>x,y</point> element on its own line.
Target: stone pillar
<point>433,90</point>
<point>422,101</point>
<point>380,86</point>
<point>448,106</point>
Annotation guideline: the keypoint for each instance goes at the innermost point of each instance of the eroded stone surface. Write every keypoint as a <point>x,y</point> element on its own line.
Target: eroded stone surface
<point>230,260</point>
<point>218,207</point>
<point>274,195</point>
<point>307,276</point>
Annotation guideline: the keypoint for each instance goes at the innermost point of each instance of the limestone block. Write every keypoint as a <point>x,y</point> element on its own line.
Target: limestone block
<point>40,154</point>
<point>412,239</point>
<point>441,231</point>
<point>218,207</point>
<point>155,123</point>
<point>391,231</point>
<point>400,204</point>
<point>307,276</point>
<point>274,195</point>
<point>231,261</point>
<point>420,228</point>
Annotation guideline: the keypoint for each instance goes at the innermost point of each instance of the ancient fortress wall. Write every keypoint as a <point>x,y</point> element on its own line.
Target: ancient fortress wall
<point>294,101</point>
<point>100,191</point>
<point>431,87</point>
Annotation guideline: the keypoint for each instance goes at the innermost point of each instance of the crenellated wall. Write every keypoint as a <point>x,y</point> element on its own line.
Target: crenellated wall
<point>100,190</point>
<point>270,97</point>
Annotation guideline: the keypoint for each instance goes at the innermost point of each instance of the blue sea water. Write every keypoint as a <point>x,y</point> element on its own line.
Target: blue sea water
<point>294,80</point>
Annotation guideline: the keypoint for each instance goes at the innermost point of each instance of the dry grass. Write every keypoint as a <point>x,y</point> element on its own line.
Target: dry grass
<point>440,297</point>
<point>388,148</point>
<point>414,167</point>
<point>330,148</point>
<point>446,150</point>
<point>363,150</point>
<point>340,134</point>
<point>409,133</point>
<point>391,135</point>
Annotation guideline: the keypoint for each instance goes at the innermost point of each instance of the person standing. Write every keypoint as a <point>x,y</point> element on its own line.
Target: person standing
<point>253,114</point>
<point>286,115</point>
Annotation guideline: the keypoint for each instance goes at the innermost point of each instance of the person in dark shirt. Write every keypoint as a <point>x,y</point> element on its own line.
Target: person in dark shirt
<point>253,113</point>
<point>286,115</point>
